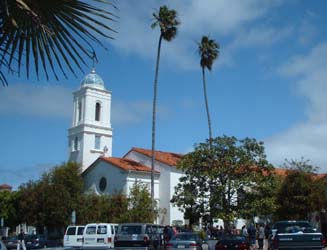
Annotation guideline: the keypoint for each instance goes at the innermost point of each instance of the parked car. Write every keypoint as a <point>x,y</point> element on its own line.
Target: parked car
<point>295,235</point>
<point>73,236</point>
<point>138,236</point>
<point>232,242</point>
<point>11,242</point>
<point>37,241</point>
<point>99,236</point>
<point>191,241</point>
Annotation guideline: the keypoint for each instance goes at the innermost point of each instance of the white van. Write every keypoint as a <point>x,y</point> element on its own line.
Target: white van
<point>99,236</point>
<point>74,236</point>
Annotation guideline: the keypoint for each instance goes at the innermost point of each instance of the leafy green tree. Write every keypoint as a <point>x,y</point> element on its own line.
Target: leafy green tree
<point>28,204</point>
<point>50,201</point>
<point>304,190</point>
<point>68,177</point>
<point>57,34</point>
<point>102,208</point>
<point>208,51</point>
<point>188,197</point>
<point>167,20</point>
<point>140,208</point>
<point>262,200</point>
<point>8,208</point>
<point>301,165</point>
<point>117,208</point>
<point>225,176</point>
<point>93,208</point>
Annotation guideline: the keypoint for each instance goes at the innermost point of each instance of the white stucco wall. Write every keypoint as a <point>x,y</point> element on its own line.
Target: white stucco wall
<point>175,214</point>
<point>87,127</point>
<point>116,178</point>
<point>168,180</point>
<point>92,96</point>
<point>143,178</point>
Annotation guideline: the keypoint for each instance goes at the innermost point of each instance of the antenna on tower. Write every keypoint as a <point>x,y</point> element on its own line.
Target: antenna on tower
<point>94,59</point>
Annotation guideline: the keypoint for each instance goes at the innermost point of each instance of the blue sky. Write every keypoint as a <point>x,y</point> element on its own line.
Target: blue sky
<point>269,83</point>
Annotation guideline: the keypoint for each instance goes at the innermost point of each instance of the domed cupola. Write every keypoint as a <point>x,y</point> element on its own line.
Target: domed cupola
<point>90,135</point>
<point>92,80</point>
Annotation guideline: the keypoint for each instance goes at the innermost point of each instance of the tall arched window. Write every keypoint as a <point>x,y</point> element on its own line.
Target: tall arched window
<point>79,110</point>
<point>75,144</point>
<point>97,111</point>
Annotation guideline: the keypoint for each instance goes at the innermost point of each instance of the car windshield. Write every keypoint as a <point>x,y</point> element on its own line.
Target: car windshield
<point>34,236</point>
<point>12,238</point>
<point>131,229</point>
<point>233,238</point>
<point>293,227</point>
<point>183,237</point>
<point>90,230</point>
<point>31,237</point>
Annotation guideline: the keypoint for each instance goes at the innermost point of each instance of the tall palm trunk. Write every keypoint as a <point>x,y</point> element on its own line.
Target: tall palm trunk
<point>206,103</point>
<point>210,141</point>
<point>154,117</point>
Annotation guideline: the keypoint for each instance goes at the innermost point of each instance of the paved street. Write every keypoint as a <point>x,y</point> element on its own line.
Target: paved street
<point>212,244</point>
<point>62,248</point>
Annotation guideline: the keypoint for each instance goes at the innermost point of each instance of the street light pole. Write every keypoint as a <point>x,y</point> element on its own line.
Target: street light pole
<point>74,217</point>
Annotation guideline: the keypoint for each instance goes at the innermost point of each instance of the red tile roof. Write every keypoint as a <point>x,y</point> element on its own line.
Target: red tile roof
<point>167,158</point>
<point>5,187</point>
<point>283,172</point>
<point>320,176</point>
<point>127,164</point>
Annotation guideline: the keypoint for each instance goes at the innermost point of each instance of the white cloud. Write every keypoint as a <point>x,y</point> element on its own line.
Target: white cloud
<point>36,100</point>
<point>224,16</point>
<point>206,17</point>
<point>131,112</point>
<point>307,29</point>
<point>262,35</point>
<point>312,82</point>
<point>308,139</point>
<point>254,36</point>
<point>53,101</point>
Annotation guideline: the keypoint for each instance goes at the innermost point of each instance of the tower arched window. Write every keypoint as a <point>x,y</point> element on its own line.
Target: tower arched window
<point>75,144</point>
<point>79,110</point>
<point>97,111</point>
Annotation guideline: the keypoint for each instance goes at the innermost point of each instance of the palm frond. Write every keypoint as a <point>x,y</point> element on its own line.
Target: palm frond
<point>48,32</point>
<point>208,50</point>
<point>168,22</point>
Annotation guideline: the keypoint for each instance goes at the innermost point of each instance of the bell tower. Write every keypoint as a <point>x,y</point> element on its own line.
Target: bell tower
<point>91,134</point>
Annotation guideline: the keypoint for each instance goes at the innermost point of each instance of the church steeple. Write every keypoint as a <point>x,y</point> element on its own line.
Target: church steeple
<point>91,134</point>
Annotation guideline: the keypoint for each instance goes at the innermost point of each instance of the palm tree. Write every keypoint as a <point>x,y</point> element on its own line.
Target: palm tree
<point>209,51</point>
<point>166,19</point>
<point>58,34</point>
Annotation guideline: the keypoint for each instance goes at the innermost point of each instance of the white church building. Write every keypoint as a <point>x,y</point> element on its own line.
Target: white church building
<point>90,144</point>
